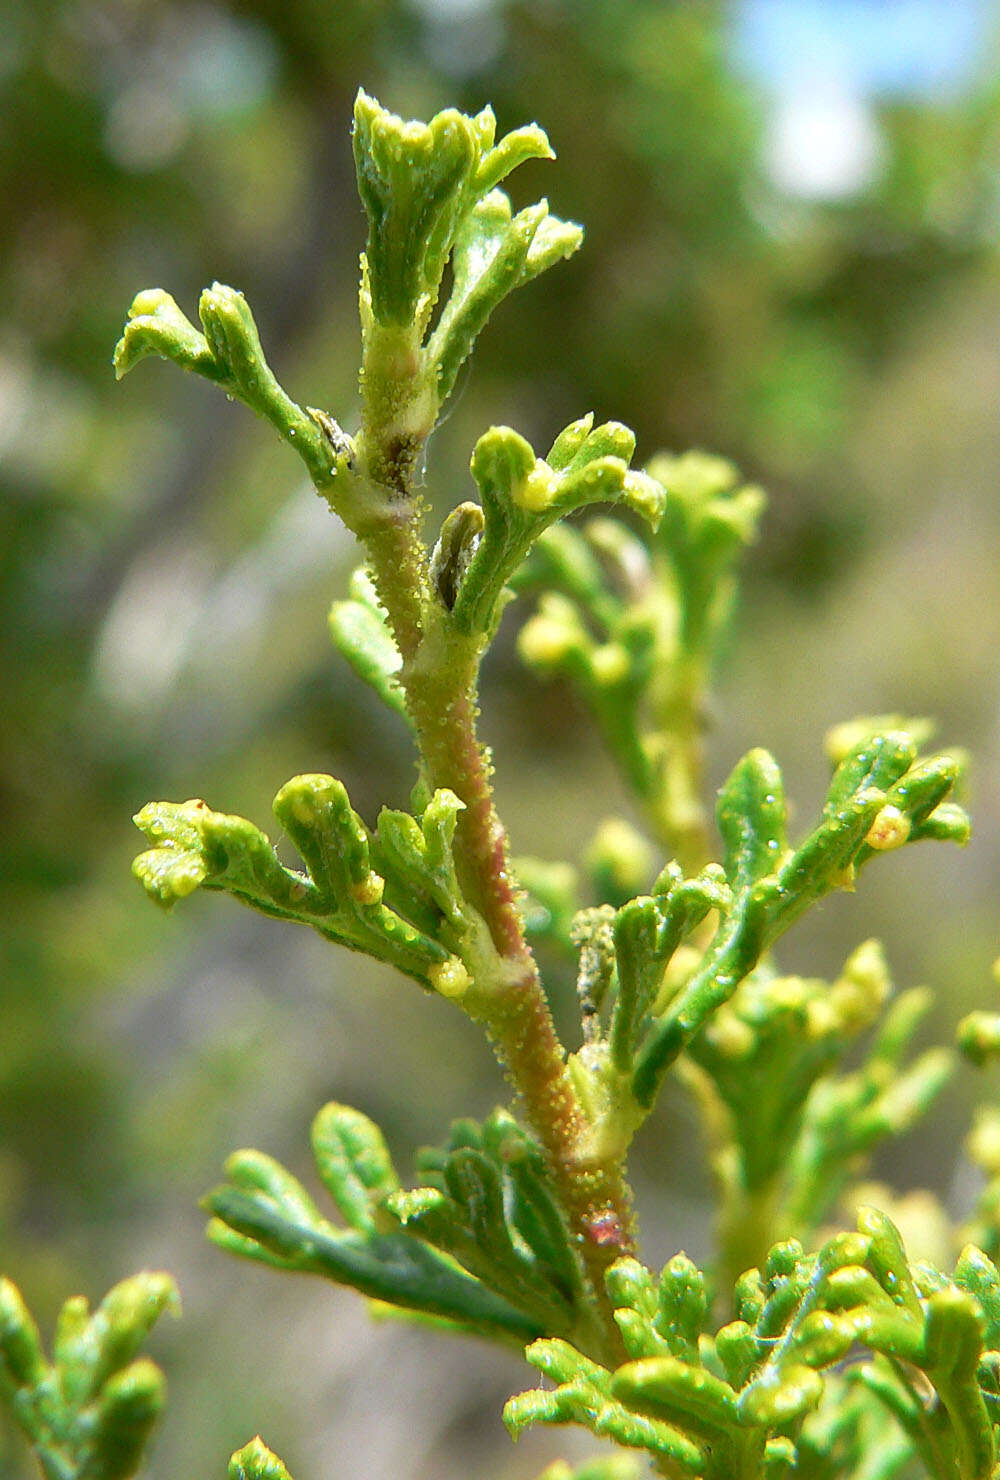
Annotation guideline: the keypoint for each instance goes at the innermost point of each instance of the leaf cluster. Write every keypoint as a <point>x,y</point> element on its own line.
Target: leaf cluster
<point>750,1398</point>
<point>839,1363</point>
<point>669,980</point>
<point>88,1411</point>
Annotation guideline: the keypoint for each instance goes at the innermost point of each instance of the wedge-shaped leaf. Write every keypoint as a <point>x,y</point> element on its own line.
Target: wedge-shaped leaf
<point>530,1208</point>
<point>734,952</point>
<point>485,1248</point>
<point>846,1116</point>
<point>469,1223</point>
<point>415,180</point>
<point>791,1127</point>
<point>227,351</point>
<point>419,184</point>
<point>486,1203</point>
<point>265,1214</point>
<point>647,932</point>
<point>879,775</point>
<point>709,518</point>
<point>89,1412</point>
<point>521,495</point>
<point>494,253</point>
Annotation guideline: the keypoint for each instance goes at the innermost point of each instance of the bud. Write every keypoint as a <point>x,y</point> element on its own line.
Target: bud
<point>844,738</point>
<point>554,634</point>
<point>256,1462</point>
<point>890,829</point>
<point>862,987</point>
<point>620,859</point>
<point>457,543</point>
<point>983,1143</point>
<point>730,1036</point>
<point>450,978</point>
<point>536,491</point>
<point>369,890</point>
<point>609,664</point>
<point>978,1036</point>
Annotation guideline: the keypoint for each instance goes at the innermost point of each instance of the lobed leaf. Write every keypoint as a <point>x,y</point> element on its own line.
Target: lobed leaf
<point>361,634</point>
<point>417,929</point>
<point>487,1203</point>
<point>393,1268</point>
<point>354,1164</point>
<point>522,495</point>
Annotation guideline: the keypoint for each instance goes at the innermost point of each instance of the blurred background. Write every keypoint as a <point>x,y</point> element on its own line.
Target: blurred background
<point>792,257</point>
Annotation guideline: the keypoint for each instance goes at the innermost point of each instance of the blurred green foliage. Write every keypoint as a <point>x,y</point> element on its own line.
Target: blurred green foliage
<point>841,352</point>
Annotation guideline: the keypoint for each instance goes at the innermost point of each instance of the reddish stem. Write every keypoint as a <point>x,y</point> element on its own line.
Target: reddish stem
<point>439,677</point>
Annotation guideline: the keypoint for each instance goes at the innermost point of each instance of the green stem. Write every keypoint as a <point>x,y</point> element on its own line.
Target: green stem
<point>748,1226</point>
<point>662,753</point>
<point>677,806</point>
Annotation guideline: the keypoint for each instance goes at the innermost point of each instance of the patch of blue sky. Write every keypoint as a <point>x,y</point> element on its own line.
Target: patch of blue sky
<point>872,48</point>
